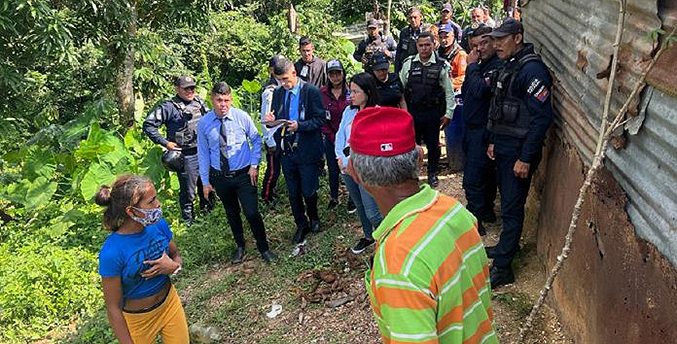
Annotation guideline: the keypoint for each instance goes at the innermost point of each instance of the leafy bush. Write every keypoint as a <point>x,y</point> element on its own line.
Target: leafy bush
<point>42,287</point>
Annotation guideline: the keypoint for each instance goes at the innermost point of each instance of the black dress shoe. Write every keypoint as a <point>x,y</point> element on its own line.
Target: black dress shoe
<point>332,203</point>
<point>269,256</point>
<point>433,181</point>
<point>315,226</point>
<point>500,276</point>
<point>300,235</point>
<point>238,256</point>
<point>491,251</point>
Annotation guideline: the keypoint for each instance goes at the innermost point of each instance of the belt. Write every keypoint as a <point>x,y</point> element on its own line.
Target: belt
<point>189,151</point>
<point>230,174</point>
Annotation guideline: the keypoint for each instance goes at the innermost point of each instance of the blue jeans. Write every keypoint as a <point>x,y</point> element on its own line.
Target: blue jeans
<point>367,210</point>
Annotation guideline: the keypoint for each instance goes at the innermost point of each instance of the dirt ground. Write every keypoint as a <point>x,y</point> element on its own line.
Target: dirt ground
<point>324,301</point>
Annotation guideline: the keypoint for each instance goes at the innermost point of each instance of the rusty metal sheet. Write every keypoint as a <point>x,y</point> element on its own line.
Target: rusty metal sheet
<point>575,39</point>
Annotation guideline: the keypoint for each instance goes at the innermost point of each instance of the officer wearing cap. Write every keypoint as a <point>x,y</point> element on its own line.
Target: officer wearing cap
<point>451,51</point>
<point>430,97</point>
<point>519,117</point>
<point>428,280</point>
<point>298,106</point>
<point>375,42</point>
<point>479,174</point>
<point>445,18</point>
<point>389,86</point>
<point>407,45</point>
<point>180,116</point>
<point>309,67</point>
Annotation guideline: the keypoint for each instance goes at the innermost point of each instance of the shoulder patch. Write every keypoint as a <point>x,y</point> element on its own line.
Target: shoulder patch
<point>542,94</point>
<point>532,87</point>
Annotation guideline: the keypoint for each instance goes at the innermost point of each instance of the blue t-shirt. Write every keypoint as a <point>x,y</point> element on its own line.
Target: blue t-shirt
<point>122,255</point>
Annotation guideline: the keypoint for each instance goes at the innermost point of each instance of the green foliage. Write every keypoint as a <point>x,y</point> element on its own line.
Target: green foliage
<point>42,286</point>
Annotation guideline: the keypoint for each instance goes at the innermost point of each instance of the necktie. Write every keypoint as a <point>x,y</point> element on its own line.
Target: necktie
<point>223,146</point>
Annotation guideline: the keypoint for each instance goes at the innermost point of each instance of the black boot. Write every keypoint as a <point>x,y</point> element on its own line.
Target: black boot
<point>238,256</point>
<point>500,276</point>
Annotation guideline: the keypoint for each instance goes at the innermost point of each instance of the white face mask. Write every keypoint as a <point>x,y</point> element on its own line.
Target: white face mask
<point>152,216</point>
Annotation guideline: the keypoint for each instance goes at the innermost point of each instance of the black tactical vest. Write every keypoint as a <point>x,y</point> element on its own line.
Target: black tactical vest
<point>186,137</point>
<point>423,91</point>
<point>407,45</point>
<point>508,115</point>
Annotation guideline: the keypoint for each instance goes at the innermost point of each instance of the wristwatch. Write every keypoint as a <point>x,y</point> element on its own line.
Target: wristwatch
<point>176,272</point>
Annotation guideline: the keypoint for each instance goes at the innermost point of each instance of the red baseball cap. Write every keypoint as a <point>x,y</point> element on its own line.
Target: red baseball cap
<point>382,131</point>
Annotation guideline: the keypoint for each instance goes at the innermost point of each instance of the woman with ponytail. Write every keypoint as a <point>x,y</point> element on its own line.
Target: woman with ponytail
<point>135,263</point>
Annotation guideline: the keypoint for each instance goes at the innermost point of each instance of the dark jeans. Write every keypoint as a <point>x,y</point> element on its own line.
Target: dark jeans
<point>271,175</point>
<point>514,193</point>
<point>333,166</point>
<point>302,181</point>
<point>367,210</point>
<point>189,181</point>
<point>428,132</point>
<point>238,191</point>
<point>479,174</point>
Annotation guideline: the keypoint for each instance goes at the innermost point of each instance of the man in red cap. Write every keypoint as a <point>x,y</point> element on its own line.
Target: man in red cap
<point>430,273</point>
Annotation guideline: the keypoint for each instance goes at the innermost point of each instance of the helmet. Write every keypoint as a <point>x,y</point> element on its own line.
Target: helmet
<point>173,160</point>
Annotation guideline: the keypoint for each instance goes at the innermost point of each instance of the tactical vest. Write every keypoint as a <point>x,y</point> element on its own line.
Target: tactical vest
<point>424,92</point>
<point>186,137</point>
<point>509,115</point>
<point>407,45</point>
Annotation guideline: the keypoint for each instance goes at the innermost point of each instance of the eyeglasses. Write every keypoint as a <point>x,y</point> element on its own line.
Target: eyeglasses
<point>189,88</point>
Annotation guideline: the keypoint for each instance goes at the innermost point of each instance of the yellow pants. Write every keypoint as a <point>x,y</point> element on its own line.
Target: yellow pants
<point>168,319</point>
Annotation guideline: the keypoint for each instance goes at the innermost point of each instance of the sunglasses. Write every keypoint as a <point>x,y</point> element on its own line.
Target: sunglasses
<point>189,88</point>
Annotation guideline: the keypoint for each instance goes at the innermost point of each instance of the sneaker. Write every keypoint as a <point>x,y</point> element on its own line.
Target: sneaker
<point>332,203</point>
<point>362,245</point>
<point>351,206</point>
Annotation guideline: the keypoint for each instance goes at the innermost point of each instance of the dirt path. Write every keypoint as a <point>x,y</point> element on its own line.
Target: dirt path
<point>322,292</point>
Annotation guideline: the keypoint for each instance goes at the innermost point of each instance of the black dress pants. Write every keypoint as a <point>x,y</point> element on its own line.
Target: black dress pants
<point>272,173</point>
<point>235,191</point>
<point>302,180</point>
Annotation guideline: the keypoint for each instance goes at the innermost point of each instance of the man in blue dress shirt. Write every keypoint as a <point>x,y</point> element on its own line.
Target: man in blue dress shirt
<point>299,105</point>
<point>229,167</point>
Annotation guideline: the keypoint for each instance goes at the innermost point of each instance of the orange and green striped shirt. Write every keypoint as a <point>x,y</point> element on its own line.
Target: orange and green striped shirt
<point>429,282</point>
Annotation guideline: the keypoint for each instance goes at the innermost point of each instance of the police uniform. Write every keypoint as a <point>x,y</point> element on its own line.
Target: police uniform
<point>372,45</point>
<point>389,92</point>
<point>479,174</point>
<point>180,118</point>
<point>429,95</point>
<point>519,116</point>
<point>406,46</point>
<point>273,168</point>
<point>301,151</point>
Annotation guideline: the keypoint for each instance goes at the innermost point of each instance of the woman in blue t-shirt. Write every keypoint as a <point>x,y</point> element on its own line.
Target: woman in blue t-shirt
<point>134,264</point>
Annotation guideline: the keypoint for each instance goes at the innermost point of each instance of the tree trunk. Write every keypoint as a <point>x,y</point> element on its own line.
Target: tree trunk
<point>123,60</point>
<point>387,28</point>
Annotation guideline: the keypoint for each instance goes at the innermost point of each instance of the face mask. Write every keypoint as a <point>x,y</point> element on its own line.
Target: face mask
<point>152,216</point>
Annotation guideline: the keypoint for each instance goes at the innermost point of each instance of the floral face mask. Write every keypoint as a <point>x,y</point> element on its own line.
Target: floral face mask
<point>152,216</point>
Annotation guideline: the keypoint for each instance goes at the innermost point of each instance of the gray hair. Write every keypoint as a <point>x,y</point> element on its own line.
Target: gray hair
<point>386,170</point>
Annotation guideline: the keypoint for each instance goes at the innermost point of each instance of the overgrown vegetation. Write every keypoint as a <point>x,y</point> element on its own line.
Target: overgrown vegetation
<point>78,78</point>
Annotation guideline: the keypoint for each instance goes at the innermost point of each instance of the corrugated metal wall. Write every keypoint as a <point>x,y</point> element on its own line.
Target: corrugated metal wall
<point>575,39</point>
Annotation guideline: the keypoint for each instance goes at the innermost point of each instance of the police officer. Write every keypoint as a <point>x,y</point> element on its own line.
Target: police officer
<point>389,85</point>
<point>180,116</point>
<point>429,96</point>
<point>375,42</point>
<point>273,168</point>
<point>519,116</point>
<point>479,174</point>
<point>299,105</point>
<point>407,45</point>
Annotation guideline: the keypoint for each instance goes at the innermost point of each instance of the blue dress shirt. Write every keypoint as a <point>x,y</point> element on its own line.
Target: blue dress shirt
<point>292,96</point>
<point>240,130</point>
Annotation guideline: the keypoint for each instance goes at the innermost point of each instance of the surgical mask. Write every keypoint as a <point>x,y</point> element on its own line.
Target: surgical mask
<point>152,216</point>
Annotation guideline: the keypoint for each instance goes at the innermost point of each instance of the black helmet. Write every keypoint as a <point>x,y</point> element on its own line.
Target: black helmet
<point>173,160</point>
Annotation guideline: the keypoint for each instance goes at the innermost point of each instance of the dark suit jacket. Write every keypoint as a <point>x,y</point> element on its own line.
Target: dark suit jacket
<point>310,147</point>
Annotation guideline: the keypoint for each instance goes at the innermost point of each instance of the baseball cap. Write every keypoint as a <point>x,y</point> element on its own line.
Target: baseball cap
<point>445,28</point>
<point>382,131</point>
<point>380,61</point>
<point>184,81</point>
<point>510,26</point>
<point>372,23</point>
<point>333,65</point>
<point>447,7</point>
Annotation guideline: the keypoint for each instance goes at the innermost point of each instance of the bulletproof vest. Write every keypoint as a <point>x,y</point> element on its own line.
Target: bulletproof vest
<point>186,137</point>
<point>508,115</point>
<point>407,43</point>
<point>423,90</point>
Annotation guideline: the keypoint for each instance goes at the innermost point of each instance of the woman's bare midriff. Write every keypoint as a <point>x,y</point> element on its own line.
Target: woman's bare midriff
<point>148,301</point>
